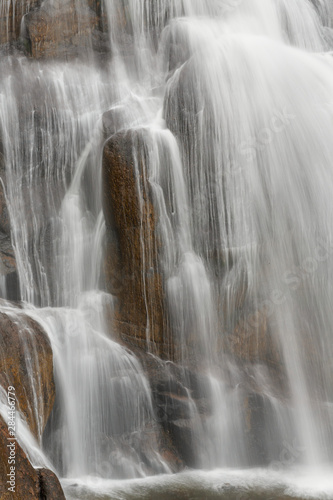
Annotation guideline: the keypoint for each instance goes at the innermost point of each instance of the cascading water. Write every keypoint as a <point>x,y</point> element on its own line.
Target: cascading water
<point>235,99</point>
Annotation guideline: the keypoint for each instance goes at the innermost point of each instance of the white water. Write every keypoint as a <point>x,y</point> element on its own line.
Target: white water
<point>243,200</point>
<point>220,483</point>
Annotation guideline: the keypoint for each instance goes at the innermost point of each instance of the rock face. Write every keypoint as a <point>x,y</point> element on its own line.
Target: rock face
<point>30,483</point>
<point>49,486</point>
<point>27,484</point>
<point>7,256</point>
<point>132,272</point>
<point>57,28</point>
<point>26,363</point>
<point>133,275</point>
<point>60,29</point>
<point>11,15</point>
<point>8,270</point>
<point>181,400</point>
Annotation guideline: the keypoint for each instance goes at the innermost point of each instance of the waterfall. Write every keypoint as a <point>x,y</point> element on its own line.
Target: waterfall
<point>233,103</point>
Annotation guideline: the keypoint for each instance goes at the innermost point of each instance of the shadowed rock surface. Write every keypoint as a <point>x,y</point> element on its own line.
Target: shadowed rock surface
<point>49,486</point>
<point>8,269</point>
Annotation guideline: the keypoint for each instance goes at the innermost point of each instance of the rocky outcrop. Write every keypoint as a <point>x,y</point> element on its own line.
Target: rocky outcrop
<point>11,14</point>
<point>26,478</point>
<point>59,29</point>
<point>7,256</point>
<point>252,342</point>
<point>26,363</point>
<point>29,483</point>
<point>131,264</point>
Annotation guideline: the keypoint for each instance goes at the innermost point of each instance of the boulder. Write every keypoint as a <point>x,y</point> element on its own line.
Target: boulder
<point>26,363</point>
<point>132,271</point>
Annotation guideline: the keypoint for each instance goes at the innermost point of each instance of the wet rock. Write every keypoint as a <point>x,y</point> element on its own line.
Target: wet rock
<point>98,7</point>
<point>189,114</point>
<point>7,255</point>
<point>11,18</point>
<point>26,363</point>
<point>114,120</point>
<point>26,477</point>
<point>59,29</point>
<point>49,486</point>
<point>256,413</point>
<point>180,433</point>
<point>252,341</point>
<point>172,407</point>
<point>181,403</point>
<point>131,267</point>
<point>30,483</point>
<point>177,45</point>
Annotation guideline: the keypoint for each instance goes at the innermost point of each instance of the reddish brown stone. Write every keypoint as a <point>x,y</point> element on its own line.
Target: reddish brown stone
<point>26,477</point>
<point>49,485</point>
<point>10,21</point>
<point>63,31</point>
<point>23,341</point>
<point>131,264</point>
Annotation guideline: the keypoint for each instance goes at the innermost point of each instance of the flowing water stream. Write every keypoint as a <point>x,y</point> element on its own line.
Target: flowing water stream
<point>236,100</point>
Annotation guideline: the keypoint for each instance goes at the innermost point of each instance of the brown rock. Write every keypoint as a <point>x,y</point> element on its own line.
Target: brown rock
<point>30,483</point>
<point>252,342</point>
<point>26,477</point>
<point>10,20</point>
<point>131,267</point>
<point>26,363</point>
<point>49,486</point>
<point>60,30</point>
<point>97,7</point>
